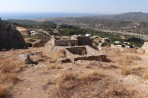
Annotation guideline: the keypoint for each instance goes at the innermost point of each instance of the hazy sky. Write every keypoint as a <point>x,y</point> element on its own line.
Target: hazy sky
<point>74,6</point>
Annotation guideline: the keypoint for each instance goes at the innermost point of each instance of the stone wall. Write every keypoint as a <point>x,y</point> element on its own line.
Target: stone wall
<point>77,50</point>
<point>96,58</point>
<point>41,42</point>
<point>83,40</point>
<point>92,51</point>
<point>66,42</point>
<point>63,42</point>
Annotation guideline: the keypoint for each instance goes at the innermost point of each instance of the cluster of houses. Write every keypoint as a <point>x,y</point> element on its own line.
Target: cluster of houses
<point>123,44</point>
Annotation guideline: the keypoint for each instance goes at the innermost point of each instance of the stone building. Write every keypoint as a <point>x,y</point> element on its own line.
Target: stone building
<point>73,41</point>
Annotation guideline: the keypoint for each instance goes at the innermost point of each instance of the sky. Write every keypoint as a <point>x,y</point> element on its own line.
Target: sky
<point>74,6</point>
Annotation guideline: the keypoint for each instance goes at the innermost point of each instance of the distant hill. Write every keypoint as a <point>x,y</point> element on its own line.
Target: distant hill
<point>134,22</point>
<point>129,16</point>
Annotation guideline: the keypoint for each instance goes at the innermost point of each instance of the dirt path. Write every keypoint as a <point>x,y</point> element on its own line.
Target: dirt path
<point>33,80</point>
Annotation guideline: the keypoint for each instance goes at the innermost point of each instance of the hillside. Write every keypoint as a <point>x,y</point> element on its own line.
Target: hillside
<point>124,77</point>
<point>75,66</point>
<point>126,16</point>
<point>133,22</point>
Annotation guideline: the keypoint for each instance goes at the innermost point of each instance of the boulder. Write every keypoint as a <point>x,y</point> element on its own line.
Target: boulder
<point>10,37</point>
<point>26,58</point>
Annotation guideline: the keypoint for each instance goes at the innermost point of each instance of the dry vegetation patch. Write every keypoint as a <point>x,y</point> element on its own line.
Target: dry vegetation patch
<point>10,66</point>
<point>89,84</point>
<point>54,66</point>
<point>3,91</point>
<point>92,74</point>
<point>59,54</point>
<point>66,80</point>
<point>127,59</point>
<point>145,73</point>
<point>39,57</point>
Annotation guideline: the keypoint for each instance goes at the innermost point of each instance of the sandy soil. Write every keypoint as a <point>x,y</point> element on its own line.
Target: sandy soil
<point>40,81</point>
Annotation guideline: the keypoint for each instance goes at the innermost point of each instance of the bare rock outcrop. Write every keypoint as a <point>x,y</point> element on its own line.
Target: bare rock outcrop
<point>10,37</point>
<point>26,58</point>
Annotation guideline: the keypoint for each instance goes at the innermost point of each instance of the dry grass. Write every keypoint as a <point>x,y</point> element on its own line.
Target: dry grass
<point>57,55</point>
<point>132,57</point>
<point>145,74</point>
<point>117,55</point>
<point>39,57</point>
<point>126,59</point>
<point>125,70</point>
<point>89,64</point>
<point>10,65</point>
<point>130,50</point>
<point>127,65</point>
<point>122,91</point>
<point>60,53</point>
<point>66,80</point>
<point>3,91</point>
<point>89,84</point>
<point>8,79</point>
<point>91,74</point>
<point>140,51</point>
<point>55,66</point>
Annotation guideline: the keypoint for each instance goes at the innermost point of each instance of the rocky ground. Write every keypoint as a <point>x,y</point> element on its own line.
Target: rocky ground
<point>124,77</point>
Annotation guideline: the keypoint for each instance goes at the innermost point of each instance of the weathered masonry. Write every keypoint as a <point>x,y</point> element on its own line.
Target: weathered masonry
<point>79,40</point>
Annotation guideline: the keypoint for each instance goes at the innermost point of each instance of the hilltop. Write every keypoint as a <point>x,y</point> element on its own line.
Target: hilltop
<point>126,16</point>
<point>66,61</point>
<point>124,76</point>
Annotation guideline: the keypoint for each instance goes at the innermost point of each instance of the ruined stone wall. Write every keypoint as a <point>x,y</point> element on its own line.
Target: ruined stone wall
<point>66,42</point>
<point>77,50</point>
<point>97,58</point>
<point>91,50</point>
<point>41,42</point>
<point>83,40</point>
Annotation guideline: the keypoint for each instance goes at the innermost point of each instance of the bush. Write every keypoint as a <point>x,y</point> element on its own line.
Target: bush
<point>29,44</point>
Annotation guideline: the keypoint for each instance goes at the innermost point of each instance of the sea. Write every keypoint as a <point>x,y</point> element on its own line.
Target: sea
<point>20,15</point>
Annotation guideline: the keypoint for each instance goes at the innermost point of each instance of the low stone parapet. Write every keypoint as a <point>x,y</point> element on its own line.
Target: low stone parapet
<point>97,58</point>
